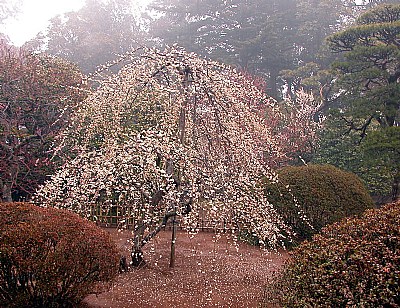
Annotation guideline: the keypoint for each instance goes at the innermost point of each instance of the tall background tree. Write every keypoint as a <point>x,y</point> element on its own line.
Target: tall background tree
<point>247,34</point>
<point>93,35</point>
<point>263,37</point>
<point>34,89</point>
<point>367,107</point>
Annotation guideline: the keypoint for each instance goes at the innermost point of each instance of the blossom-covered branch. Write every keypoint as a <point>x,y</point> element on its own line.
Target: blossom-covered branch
<point>168,127</point>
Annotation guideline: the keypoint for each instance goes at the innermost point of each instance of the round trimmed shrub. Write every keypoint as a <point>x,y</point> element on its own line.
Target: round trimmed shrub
<point>51,257</point>
<point>354,263</point>
<point>311,197</point>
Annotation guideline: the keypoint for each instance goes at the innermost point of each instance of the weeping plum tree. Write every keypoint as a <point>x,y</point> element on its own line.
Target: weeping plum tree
<point>172,135</point>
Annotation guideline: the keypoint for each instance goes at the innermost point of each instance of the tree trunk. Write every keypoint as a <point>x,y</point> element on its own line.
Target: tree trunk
<point>396,188</point>
<point>273,87</point>
<point>173,240</point>
<point>139,242</point>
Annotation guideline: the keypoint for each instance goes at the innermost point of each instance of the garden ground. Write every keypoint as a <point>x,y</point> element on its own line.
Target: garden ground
<point>210,271</point>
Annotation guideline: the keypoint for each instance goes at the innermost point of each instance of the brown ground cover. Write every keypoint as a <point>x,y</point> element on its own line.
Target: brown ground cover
<point>210,271</point>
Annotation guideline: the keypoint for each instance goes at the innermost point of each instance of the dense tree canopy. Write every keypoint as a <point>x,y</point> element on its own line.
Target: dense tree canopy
<point>263,37</point>
<point>369,73</point>
<point>93,35</point>
<point>315,20</point>
<point>368,94</point>
<point>34,89</point>
<point>244,33</point>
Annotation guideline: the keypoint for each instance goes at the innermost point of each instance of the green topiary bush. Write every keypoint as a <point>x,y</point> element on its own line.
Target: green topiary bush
<point>323,193</point>
<point>354,263</point>
<point>51,257</point>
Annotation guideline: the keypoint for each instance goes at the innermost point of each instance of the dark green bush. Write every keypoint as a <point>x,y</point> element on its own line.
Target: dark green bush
<point>354,263</point>
<point>325,194</point>
<point>51,257</point>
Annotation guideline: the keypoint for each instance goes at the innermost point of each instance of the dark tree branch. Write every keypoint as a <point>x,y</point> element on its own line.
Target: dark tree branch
<point>353,127</point>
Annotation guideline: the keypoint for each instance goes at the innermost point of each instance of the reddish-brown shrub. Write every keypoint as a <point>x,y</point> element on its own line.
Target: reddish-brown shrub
<point>354,263</point>
<point>51,257</point>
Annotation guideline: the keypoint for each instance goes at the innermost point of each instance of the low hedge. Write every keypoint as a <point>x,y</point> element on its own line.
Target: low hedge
<point>353,263</point>
<point>311,197</point>
<point>51,257</point>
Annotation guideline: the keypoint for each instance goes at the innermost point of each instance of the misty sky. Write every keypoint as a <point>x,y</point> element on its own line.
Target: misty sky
<point>35,16</point>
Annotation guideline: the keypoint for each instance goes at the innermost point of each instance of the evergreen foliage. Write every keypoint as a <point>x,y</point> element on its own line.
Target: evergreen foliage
<point>368,96</point>
<point>322,194</point>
